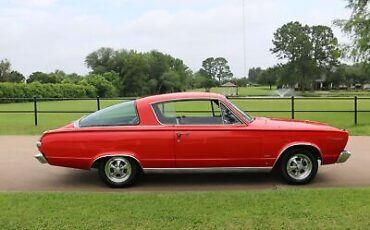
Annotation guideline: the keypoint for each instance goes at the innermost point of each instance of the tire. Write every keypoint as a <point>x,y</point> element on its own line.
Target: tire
<point>298,166</point>
<point>118,172</point>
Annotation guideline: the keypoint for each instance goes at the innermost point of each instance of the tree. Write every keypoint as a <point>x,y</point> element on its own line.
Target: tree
<point>5,69</point>
<point>42,78</point>
<point>101,60</point>
<point>72,78</point>
<point>358,26</point>
<point>270,76</point>
<point>253,73</point>
<point>242,82</point>
<point>15,77</point>
<point>9,75</point>
<point>203,81</point>
<point>357,73</point>
<point>216,68</point>
<point>310,52</point>
<point>103,87</point>
<point>134,73</point>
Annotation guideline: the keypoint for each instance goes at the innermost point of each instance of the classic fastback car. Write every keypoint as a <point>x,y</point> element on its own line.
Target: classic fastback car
<point>190,132</point>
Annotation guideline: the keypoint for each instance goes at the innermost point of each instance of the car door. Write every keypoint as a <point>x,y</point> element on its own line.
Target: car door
<point>212,136</point>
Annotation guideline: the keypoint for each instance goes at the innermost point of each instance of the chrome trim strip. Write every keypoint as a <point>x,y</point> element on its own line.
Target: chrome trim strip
<point>40,157</point>
<point>298,144</point>
<point>186,99</point>
<point>116,155</point>
<point>343,156</point>
<point>208,170</point>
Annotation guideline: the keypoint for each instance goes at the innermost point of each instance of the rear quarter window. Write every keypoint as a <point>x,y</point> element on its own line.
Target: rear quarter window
<point>121,114</point>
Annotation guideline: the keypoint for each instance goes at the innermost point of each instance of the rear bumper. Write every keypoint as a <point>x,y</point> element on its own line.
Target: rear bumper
<point>343,156</point>
<point>40,157</point>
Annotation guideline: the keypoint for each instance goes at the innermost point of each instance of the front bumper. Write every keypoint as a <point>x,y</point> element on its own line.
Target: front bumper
<point>343,156</point>
<point>40,157</point>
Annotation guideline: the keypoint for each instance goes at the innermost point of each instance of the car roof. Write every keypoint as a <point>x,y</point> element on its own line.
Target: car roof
<point>180,96</point>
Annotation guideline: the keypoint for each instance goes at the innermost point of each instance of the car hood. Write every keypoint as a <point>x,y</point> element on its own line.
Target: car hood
<point>290,124</point>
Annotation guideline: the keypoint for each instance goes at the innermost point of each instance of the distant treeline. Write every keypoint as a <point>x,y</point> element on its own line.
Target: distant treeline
<point>121,73</point>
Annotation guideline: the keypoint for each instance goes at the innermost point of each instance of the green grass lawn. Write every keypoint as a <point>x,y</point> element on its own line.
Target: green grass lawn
<point>246,91</point>
<point>16,123</point>
<point>265,91</point>
<point>272,209</point>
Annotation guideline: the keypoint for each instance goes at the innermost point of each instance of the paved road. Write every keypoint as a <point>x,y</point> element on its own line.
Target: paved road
<point>19,171</point>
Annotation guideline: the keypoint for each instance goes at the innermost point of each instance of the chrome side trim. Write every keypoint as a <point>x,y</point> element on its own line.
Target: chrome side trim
<point>40,157</point>
<point>115,155</point>
<point>298,144</point>
<point>208,170</point>
<point>343,156</point>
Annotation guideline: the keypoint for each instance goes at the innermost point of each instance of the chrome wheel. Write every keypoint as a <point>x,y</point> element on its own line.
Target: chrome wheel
<point>118,169</point>
<point>299,166</point>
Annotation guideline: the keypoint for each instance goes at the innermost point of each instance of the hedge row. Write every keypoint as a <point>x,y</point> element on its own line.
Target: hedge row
<point>21,90</point>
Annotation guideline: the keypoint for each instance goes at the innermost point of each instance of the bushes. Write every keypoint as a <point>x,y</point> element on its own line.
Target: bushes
<point>104,88</point>
<point>20,90</point>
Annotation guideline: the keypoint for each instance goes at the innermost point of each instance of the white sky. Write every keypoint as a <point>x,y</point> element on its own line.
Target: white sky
<point>44,35</point>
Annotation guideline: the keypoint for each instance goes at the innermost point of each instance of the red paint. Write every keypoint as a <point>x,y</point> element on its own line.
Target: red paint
<point>255,144</point>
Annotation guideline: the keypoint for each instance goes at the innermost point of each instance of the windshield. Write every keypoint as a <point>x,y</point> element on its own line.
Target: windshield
<point>120,114</point>
<point>248,117</point>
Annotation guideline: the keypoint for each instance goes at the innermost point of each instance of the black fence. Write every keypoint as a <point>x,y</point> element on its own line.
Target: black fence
<point>355,100</point>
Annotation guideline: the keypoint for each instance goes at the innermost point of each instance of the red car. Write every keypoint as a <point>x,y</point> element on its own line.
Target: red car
<point>190,132</point>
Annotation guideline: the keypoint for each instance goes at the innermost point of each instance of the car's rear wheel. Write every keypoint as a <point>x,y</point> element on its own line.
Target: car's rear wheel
<point>298,166</point>
<point>118,172</point>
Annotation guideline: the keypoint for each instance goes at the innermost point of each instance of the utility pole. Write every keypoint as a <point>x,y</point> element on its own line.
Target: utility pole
<point>244,39</point>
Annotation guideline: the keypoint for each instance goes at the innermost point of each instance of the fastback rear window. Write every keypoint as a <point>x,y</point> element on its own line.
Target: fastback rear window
<point>121,114</point>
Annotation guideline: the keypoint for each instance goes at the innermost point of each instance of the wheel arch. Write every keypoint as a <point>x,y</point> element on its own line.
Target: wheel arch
<point>309,146</point>
<point>95,163</point>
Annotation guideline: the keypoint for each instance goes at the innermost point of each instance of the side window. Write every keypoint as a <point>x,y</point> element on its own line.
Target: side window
<point>228,116</point>
<point>120,114</point>
<point>189,112</point>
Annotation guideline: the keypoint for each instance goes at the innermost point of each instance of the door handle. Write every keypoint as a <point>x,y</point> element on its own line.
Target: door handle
<point>180,134</point>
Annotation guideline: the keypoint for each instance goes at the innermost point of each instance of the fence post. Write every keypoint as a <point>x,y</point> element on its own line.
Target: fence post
<point>292,103</point>
<point>98,102</point>
<point>355,109</point>
<point>35,109</point>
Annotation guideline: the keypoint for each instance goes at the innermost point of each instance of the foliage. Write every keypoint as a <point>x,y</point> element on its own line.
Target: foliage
<point>19,90</point>
<point>202,80</point>
<point>101,60</point>
<point>253,73</point>
<point>357,73</point>
<point>58,76</point>
<point>137,73</point>
<point>104,88</point>
<point>9,75</point>
<point>358,26</point>
<point>311,52</point>
<point>269,76</point>
<point>42,78</point>
<point>216,69</point>
<point>241,82</point>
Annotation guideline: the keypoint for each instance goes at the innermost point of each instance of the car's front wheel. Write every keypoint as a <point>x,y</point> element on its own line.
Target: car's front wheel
<point>118,172</point>
<point>299,166</point>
